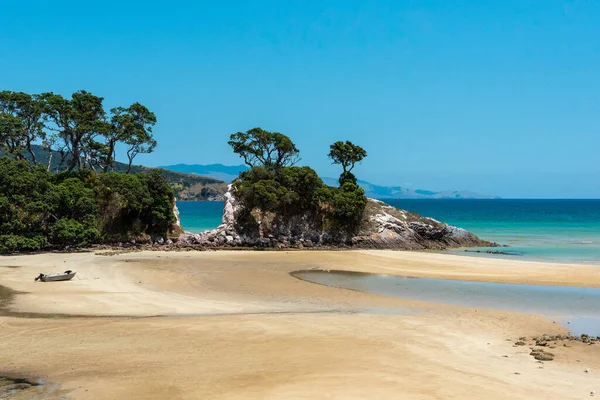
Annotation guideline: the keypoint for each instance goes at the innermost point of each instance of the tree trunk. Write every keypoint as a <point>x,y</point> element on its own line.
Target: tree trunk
<point>33,159</point>
<point>111,156</point>
<point>50,159</point>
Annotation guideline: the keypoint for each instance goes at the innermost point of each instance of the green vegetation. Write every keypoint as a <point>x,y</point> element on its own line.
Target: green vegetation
<point>346,154</point>
<point>275,185</point>
<point>189,187</point>
<point>79,128</point>
<point>83,202</point>
<point>39,210</point>
<point>61,186</point>
<point>271,150</point>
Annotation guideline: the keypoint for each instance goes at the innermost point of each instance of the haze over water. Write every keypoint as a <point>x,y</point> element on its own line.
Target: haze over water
<point>550,230</point>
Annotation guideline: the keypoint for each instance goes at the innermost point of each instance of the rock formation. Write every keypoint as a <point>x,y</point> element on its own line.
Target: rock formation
<point>382,227</point>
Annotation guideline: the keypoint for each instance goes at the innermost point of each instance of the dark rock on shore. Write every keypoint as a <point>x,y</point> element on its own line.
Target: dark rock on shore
<point>496,252</point>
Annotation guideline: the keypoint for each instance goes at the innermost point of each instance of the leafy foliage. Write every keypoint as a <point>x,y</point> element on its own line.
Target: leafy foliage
<point>21,122</point>
<point>346,154</point>
<point>271,150</point>
<point>38,209</point>
<point>288,191</point>
<point>79,129</point>
<point>185,186</point>
<point>132,126</point>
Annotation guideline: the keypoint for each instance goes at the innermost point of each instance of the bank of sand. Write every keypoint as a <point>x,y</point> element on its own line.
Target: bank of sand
<point>236,325</point>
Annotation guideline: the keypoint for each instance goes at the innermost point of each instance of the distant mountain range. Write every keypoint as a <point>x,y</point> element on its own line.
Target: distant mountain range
<point>229,172</point>
<point>221,172</point>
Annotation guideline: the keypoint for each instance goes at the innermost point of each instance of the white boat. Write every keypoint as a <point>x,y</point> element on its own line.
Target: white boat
<point>65,276</point>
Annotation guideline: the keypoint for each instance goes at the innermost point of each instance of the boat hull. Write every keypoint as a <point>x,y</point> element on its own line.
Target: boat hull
<point>58,277</point>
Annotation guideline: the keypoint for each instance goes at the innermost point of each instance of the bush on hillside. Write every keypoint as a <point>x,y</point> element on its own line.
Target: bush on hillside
<point>38,209</point>
<point>296,191</point>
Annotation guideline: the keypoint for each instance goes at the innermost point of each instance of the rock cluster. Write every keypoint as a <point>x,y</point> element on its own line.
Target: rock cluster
<point>541,343</point>
<point>544,340</point>
<point>382,227</point>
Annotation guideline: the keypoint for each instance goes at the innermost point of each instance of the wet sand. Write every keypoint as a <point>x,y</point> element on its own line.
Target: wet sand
<point>236,325</point>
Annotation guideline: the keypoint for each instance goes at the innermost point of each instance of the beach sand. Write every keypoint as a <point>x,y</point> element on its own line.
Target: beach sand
<point>236,325</point>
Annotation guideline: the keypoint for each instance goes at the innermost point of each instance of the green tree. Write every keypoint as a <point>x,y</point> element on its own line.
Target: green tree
<point>271,150</point>
<point>158,214</point>
<point>132,126</point>
<point>11,140</point>
<point>27,199</point>
<point>78,122</point>
<point>346,154</point>
<point>69,232</point>
<point>22,120</point>
<point>142,142</point>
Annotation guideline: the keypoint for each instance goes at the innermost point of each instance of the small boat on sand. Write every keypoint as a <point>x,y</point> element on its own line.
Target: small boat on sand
<point>65,276</point>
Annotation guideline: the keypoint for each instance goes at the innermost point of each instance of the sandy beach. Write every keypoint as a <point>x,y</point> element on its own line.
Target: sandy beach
<point>236,325</point>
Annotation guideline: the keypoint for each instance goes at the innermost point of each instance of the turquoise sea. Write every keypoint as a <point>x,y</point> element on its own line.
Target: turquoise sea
<point>198,216</point>
<point>551,230</point>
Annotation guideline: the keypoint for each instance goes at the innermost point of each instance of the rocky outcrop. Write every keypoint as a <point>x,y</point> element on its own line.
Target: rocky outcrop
<point>386,227</point>
<point>177,223</point>
<point>382,227</point>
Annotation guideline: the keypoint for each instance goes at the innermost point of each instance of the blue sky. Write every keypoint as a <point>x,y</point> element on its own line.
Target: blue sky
<point>496,96</point>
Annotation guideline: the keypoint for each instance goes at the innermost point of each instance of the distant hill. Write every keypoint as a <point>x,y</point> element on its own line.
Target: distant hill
<point>187,187</point>
<point>222,172</point>
<point>398,192</point>
<point>229,172</point>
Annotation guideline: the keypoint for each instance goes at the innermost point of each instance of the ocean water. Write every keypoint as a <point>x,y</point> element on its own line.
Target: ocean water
<point>198,216</point>
<point>550,230</point>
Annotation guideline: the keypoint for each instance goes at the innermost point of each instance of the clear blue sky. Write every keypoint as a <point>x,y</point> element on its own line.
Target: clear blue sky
<point>497,96</point>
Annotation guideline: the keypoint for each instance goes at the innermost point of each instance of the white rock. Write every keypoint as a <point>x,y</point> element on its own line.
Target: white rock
<point>176,212</point>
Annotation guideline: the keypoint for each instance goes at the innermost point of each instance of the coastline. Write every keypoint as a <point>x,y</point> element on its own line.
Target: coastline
<point>235,324</point>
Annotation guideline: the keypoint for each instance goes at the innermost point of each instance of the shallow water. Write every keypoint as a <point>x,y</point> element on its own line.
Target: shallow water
<point>576,308</point>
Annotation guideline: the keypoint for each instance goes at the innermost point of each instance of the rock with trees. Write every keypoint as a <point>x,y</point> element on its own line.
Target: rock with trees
<point>346,154</point>
<point>277,197</point>
<point>277,203</point>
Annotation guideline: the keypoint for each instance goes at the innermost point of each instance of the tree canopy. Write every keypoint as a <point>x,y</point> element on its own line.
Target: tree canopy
<point>21,122</point>
<point>270,150</point>
<point>275,185</point>
<point>79,128</point>
<point>42,210</point>
<point>346,154</point>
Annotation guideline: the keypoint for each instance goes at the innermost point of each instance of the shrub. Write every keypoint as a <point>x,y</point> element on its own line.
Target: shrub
<point>294,191</point>
<point>68,231</point>
<point>79,208</point>
<point>12,243</point>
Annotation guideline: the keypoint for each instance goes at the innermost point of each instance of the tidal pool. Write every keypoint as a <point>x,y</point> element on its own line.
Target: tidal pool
<point>576,308</point>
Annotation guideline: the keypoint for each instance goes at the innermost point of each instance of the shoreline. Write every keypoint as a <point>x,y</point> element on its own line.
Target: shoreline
<point>270,335</point>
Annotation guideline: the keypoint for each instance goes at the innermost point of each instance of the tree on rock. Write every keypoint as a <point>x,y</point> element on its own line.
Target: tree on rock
<point>271,150</point>
<point>346,154</point>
